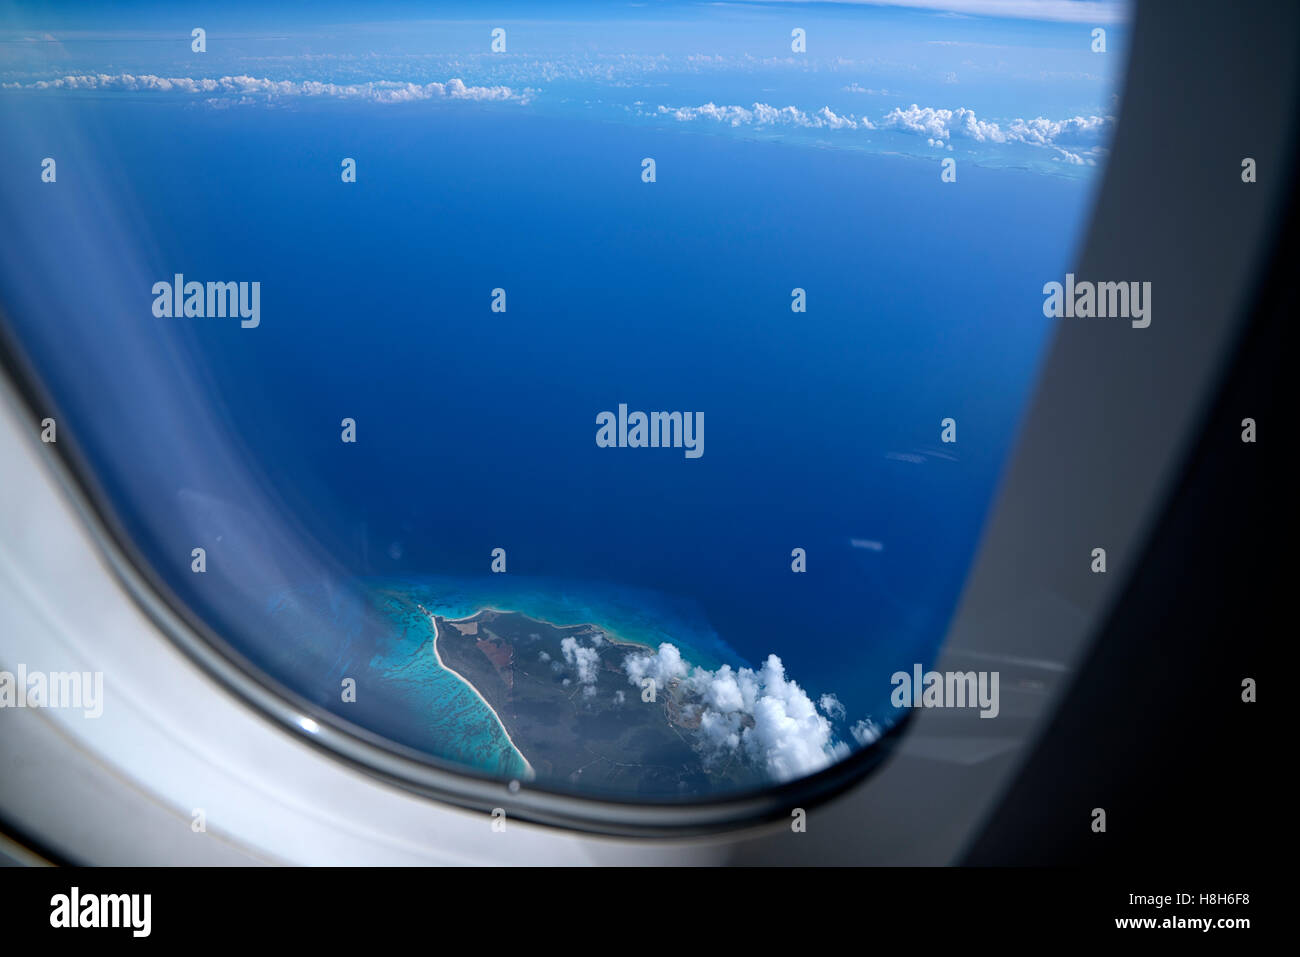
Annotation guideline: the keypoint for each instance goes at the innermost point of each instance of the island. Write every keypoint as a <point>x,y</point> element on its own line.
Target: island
<point>564,699</point>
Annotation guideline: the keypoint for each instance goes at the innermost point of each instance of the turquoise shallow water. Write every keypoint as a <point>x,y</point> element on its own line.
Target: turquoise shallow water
<point>639,615</point>
<point>454,723</point>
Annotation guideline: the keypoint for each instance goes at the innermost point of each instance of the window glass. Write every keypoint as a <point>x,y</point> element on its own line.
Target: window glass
<point>605,398</point>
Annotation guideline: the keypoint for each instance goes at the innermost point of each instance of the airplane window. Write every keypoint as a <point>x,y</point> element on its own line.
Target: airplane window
<point>607,400</point>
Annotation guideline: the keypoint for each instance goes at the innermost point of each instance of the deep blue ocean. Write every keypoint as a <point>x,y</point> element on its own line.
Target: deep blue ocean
<point>476,429</point>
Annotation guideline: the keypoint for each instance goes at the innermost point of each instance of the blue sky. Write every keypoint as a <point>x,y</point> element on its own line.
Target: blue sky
<point>920,79</point>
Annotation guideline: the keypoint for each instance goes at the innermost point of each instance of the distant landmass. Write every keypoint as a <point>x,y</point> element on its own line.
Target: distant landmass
<point>563,696</point>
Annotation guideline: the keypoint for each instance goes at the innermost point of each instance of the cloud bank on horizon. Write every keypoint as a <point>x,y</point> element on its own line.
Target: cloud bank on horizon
<point>250,86</point>
<point>1086,134</point>
<point>1078,140</point>
<point>948,75</point>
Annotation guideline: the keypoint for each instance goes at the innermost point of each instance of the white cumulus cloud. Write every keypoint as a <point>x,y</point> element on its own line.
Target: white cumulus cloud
<point>865,731</point>
<point>758,714</point>
<point>1085,134</point>
<point>663,665</point>
<point>585,660</point>
<point>832,706</point>
<point>764,114</point>
<point>1077,140</point>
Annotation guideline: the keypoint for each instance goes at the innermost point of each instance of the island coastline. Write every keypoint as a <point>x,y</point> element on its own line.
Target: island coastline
<point>532,773</point>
